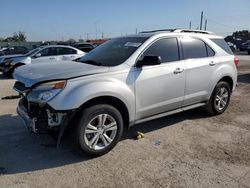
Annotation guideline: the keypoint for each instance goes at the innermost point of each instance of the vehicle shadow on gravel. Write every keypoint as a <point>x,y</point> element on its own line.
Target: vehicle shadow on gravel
<point>157,124</point>
<point>22,151</point>
<point>244,78</point>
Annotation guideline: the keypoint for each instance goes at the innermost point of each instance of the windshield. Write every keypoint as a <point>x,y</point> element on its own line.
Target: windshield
<point>113,52</point>
<point>31,52</point>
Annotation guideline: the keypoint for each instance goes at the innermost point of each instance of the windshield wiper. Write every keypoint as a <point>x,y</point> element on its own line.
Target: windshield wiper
<point>92,62</point>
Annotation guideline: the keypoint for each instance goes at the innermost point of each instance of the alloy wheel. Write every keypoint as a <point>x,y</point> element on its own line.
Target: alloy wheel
<point>100,132</point>
<point>221,99</point>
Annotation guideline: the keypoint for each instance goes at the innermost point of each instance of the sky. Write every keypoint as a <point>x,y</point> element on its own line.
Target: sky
<point>64,19</point>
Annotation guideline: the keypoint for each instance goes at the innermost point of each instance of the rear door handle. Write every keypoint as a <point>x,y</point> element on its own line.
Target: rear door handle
<point>178,70</point>
<point>212,63</point>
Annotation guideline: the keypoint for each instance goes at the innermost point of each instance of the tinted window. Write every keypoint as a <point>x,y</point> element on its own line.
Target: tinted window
<point>85,45</point>
<point>193,48</point>
<point>49,52</point>
<point>53,51</point>
<point>167,49</point>
<point>210,52</point>
<point>65,51</point>
<point>221,43</point>
<point>45,52</point>
<point>113,52</point>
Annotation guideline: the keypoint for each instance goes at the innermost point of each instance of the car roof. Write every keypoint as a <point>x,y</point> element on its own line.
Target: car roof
<point>176,32</point>
<point>64,46</point>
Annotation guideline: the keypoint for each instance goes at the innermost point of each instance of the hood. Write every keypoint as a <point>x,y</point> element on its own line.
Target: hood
<point>2,58</point>
<point>35,73</point>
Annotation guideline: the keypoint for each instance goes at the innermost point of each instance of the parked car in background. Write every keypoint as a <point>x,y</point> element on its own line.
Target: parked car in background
<point>85,47</point>
<point>49,53</point>
<point>232,46</point>
<point>244,46</point>
<point>126,81</point>
<point>3,48</point>
<point>14,50</point>
<point>248,49</point>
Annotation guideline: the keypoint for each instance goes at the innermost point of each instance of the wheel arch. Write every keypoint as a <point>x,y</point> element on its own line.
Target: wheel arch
<point>228,80</point>
<point>18,64</point>
<point>113,101</point>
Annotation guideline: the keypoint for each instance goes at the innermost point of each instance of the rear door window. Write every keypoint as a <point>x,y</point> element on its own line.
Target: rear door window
<point>65,51</point>
<point>193,48</point>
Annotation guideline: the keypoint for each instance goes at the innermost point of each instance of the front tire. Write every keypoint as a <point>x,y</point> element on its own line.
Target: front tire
<point>98,130</point>
<point>219,99</point>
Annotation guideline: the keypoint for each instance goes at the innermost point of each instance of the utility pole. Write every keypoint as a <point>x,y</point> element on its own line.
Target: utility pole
<point>87,36</point>
<point>201,20</point>
<point>190,25</point>
<point>136,31</point>
<point>102,35</point>
<point>205,27</point>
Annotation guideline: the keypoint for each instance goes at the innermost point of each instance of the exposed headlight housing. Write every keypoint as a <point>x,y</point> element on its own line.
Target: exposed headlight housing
<point>45,92</point>
<point>8,62</point>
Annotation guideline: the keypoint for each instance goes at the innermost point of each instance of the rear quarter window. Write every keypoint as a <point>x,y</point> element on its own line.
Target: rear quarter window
<point>222,44</point>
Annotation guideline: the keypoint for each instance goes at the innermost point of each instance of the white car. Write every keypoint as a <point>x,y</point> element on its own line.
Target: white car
<point>50,53</point>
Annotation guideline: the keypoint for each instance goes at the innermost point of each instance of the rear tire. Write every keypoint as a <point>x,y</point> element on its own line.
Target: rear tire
<point>98,130</point>
<point>219,99</point>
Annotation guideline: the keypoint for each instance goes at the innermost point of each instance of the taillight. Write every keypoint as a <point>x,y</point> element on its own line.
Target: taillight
<point>236,61</point>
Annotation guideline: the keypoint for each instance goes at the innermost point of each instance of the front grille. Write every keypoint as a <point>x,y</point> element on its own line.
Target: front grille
<point>20,87</point>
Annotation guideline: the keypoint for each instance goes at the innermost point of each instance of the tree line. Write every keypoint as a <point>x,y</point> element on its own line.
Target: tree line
<point>244,34</point>
<point>16,37</point>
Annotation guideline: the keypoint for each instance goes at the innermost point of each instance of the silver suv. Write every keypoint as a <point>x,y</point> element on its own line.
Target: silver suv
<point>126,81</point>
<point>50,53</point>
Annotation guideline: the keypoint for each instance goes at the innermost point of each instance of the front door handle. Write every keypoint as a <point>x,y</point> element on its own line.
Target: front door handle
<point>178,70</point>
<point>212,63</point>
<point>52,58</point>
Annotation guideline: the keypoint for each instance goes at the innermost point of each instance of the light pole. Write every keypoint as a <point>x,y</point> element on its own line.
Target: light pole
<point>96,22</point>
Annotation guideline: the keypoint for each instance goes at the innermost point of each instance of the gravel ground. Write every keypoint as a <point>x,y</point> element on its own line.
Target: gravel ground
<point>194,150</point>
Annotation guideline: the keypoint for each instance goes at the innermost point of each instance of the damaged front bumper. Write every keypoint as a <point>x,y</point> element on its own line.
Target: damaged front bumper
<point>42,119</point>
<point>4,68</point>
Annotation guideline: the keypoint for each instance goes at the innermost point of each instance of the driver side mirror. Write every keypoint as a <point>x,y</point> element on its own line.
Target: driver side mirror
<point>149,61</point>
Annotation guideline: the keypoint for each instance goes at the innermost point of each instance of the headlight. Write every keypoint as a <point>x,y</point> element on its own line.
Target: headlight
<point>45,92</point>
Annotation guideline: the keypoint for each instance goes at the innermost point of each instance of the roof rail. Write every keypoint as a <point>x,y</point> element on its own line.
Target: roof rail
<point>179,31</point>
<point>160,30</point>
<point>192,31</point>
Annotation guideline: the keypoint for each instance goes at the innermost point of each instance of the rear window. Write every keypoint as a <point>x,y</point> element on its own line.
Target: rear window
<point>221,43</point>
